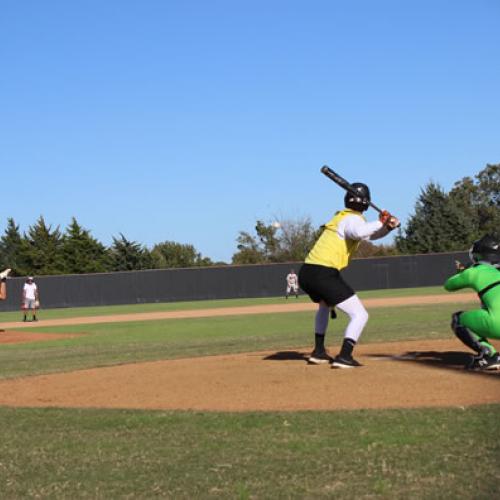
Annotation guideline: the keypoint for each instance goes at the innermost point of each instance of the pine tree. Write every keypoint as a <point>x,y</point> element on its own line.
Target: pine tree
<point>448,222</point>
<point>128,255</point>
<point>81,252</point>
<point>439,224</point>
<point>44,249</point>
<point>13,249</point>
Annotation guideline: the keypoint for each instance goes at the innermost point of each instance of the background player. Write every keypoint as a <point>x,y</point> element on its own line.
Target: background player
<point>474,328</point>
<point>292,284</point>
<point>30,299</point>
<point>320,275</point>
<point>3,285</point>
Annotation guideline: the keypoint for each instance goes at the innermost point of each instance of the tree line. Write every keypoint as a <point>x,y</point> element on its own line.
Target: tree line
<point>442,222</point>
<point>44,250</point>
<point>445,222</point>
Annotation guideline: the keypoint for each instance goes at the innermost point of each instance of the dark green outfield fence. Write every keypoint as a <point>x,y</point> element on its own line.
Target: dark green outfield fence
<point>173,285</point>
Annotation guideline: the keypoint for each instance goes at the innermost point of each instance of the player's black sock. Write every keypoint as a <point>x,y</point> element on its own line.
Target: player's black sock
<point>347,347</point>
<point>319,342</point>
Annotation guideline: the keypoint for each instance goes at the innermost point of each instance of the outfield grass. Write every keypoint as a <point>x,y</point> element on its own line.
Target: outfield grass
<point>438,453</point>
<point>72,312</point>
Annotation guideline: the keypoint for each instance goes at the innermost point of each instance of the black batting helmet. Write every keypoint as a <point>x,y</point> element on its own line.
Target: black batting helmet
<point>487,249</point>
<point>360,199</point>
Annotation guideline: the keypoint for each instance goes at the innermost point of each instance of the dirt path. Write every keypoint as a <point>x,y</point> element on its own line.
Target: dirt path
<point>18,337</point>
<point>394,375</point>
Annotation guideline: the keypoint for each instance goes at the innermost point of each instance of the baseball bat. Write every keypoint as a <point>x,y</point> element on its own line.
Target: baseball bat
<point>333,176</point>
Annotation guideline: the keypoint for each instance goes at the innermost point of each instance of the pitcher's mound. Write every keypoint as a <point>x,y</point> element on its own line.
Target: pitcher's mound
<point>394,375</point>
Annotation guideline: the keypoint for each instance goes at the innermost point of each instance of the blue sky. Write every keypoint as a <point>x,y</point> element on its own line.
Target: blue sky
<point>190,120</point>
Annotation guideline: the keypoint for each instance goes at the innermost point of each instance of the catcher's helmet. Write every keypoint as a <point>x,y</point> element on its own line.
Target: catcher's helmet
<point>487,249</point>
<point>359,201</point>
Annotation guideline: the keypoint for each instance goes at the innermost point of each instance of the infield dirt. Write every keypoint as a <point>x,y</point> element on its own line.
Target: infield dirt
<point>394,375</point>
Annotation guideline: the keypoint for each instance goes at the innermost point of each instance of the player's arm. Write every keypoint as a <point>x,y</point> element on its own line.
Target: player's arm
<point>380,233</point>
<point>356,228</point>
<point>460,280</point>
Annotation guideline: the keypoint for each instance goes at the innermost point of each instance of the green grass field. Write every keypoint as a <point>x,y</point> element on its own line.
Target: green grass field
<point>72,312</point>
<point>62,453</point>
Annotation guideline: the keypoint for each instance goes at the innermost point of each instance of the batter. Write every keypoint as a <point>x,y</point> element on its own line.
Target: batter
<point>320,276</point>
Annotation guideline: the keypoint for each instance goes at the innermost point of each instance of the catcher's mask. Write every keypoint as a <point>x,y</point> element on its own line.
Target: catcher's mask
<point>487,249</point>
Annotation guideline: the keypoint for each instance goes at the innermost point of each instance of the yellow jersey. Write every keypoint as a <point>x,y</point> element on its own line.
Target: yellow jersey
<point>330,250</point>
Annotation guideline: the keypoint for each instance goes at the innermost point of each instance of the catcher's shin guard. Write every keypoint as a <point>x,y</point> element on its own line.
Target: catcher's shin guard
<point>466,336</point>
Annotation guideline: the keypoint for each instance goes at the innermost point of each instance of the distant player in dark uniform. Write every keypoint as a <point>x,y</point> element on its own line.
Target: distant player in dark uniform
<point>474,328</point>
<point>320,276</point>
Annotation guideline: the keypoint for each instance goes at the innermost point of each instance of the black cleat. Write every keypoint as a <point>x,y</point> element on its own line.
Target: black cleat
<point>319,358</point>
<point>484,362</point>
<point>341,362</point>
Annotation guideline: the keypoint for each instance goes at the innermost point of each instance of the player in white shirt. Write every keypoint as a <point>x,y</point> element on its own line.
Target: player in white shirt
<point>3,285</point>
<point>292,284</point>
<point>31,300</point>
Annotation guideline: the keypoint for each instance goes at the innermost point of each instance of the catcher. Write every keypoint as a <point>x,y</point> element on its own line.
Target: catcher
<point>474,328</point>
<point>3,286</point>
